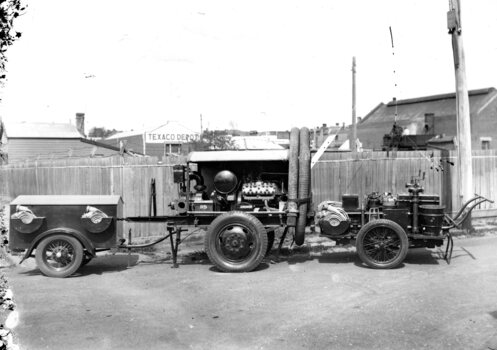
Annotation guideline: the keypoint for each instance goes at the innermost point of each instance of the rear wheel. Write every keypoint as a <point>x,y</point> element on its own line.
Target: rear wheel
<point>236,242</point>
<point>382,244</point>
<point>59,256</point>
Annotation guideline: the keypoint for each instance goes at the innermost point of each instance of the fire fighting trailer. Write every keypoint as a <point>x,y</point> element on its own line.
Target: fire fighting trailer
<point>241,198</point>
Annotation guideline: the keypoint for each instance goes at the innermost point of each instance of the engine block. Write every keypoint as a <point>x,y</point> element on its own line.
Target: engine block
<point>259,190</point>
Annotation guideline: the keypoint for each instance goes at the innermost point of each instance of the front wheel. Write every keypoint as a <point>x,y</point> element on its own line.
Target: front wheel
<point>59,256</point>
<point>236,242</point>
<point>382,244</point>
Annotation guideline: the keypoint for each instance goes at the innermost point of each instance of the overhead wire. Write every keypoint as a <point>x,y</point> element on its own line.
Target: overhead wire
<point>394,74</point>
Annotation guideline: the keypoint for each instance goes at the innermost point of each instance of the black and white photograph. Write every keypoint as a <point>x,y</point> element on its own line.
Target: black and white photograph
<point>248,175</point>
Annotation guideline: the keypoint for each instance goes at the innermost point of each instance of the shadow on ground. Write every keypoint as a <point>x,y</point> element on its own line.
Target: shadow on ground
<point>419,256</point>
<point>98,266</point>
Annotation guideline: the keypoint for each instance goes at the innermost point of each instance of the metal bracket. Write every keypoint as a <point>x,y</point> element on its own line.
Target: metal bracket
<point>449,248</point>
<point>282,239</point>
<point>173,230</point>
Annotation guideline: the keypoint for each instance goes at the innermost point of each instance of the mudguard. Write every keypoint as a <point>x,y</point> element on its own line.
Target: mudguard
<point>60,230</point>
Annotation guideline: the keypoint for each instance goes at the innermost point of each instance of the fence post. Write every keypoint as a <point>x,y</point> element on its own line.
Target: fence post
<point>446,181</point>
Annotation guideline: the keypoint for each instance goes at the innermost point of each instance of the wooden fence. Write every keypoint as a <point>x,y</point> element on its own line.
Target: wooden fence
<point>335,174</point>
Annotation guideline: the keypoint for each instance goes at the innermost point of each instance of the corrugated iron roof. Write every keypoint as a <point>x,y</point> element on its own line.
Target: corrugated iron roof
<point>242,156</point>
<point>254,143</point>
<point>42,130</point>
<point>414,110</point>
<point>439,97</point>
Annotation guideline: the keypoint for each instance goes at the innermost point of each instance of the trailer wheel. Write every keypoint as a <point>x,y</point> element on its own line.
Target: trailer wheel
<point>236,242</point>
<point>59,256</point>
<point>382,244</point>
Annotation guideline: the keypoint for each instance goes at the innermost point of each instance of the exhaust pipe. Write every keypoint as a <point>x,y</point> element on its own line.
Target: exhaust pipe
<point>304,184</point>
<point>293,178</point>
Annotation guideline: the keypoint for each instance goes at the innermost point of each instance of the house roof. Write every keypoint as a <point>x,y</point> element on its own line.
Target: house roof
<point>169,124</point>
<point>42,130</point>
<point>255,142</point>
<point>414,109</point>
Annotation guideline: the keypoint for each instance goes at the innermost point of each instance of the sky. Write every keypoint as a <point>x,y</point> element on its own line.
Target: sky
<point>252,65</point>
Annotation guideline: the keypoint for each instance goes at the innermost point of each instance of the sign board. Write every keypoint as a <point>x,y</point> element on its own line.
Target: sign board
<point>171,133</point>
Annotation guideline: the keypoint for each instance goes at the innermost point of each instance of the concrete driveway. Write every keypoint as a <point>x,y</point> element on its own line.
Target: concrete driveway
<point>327,301</point>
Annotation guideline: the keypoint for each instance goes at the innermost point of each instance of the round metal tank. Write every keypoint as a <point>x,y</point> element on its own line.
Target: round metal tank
<point>225,182</point>
<point>431,219</point>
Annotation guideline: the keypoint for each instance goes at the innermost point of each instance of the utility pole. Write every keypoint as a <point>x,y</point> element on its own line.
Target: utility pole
<point>353,140</point>
<point>464,159</point>
<point>201,126</point>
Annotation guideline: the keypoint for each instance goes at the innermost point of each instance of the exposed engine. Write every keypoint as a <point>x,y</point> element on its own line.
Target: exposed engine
<point>259,190</point>
<point>246,190</point>
<point>251,193</point>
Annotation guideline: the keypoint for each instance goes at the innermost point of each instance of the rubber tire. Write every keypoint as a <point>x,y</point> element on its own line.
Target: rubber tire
<point>249,222</point>
<point>388,224</point>
<point>49,271</point>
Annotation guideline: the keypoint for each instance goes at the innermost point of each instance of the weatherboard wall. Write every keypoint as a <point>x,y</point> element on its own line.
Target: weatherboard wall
<point>24,149</point>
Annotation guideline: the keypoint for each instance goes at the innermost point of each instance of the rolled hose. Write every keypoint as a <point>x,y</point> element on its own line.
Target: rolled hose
<point>293,177</point>
<point>304,184</point>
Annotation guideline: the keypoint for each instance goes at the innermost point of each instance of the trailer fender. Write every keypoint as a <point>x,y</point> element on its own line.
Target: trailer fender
<point>87,244</point>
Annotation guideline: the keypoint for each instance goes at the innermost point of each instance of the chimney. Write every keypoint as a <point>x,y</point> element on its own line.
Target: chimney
<point>80,123</point>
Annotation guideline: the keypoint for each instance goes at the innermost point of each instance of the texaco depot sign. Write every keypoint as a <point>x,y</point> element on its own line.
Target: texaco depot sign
<point>171,133</point>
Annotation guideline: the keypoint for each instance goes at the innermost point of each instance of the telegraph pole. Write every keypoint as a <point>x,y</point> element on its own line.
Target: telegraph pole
<point>464,161</point>
<point>353,140</point>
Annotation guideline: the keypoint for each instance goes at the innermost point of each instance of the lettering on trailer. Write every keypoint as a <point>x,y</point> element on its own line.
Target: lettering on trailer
<point>171,137</point>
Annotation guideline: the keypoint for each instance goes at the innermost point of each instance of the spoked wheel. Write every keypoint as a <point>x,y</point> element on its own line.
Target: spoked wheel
<point>236,242</point>
<point>382,244</point>
<point>59,255</point>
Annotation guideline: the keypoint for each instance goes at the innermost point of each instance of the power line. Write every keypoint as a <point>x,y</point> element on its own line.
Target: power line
<point>394,74</point>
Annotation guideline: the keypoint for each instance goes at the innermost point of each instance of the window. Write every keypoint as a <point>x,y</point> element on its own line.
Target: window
<point>485,142</point>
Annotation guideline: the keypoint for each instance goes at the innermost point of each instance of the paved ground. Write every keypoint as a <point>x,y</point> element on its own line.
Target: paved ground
<point>328,301</point>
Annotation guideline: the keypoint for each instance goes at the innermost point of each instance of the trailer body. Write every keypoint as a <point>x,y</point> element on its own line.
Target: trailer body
<point>63,228</point>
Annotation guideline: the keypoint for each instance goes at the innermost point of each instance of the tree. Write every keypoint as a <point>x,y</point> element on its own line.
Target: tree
<point>214,140</point>
<point>101,132</point>
<point>9,11</point>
